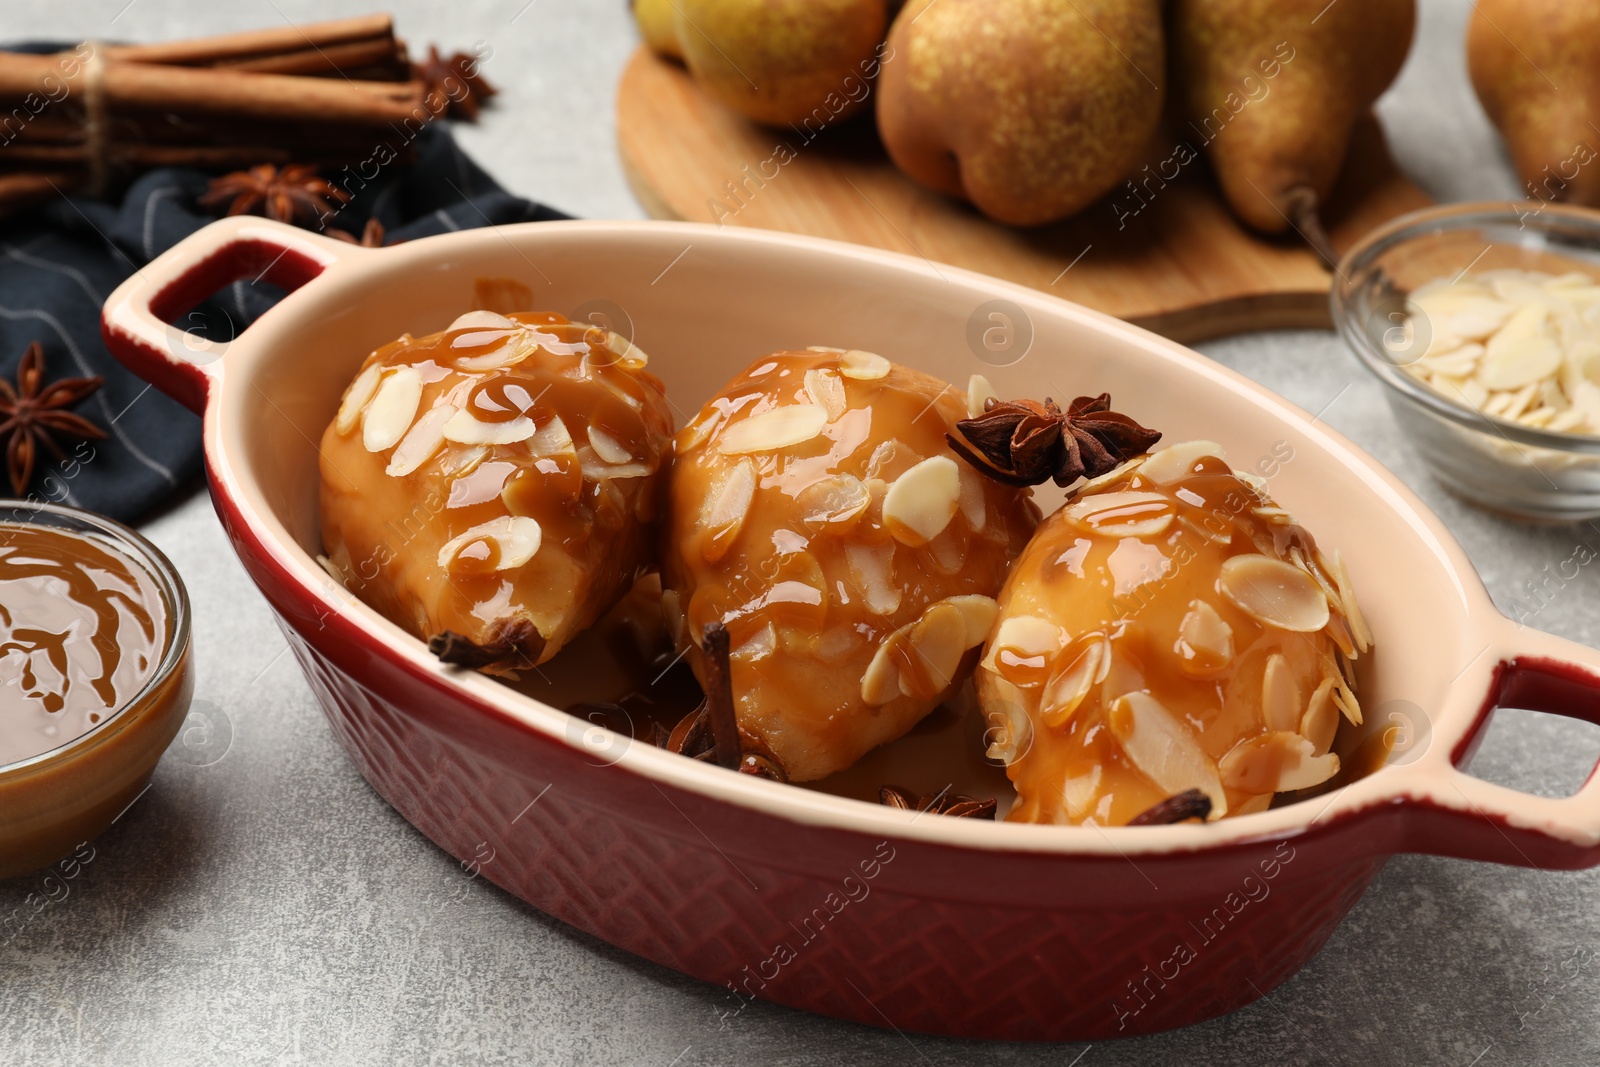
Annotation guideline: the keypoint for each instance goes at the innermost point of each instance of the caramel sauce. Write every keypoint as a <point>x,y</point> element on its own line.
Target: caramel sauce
<point>790,548</point>
<point>82,630</point>
<point>550,401</point>
<point>1147,599</point>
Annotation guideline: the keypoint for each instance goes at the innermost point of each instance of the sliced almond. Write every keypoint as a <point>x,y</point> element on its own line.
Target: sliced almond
<point>514,540</point>
<point>356,397</point>
<point>1132,513</point>
<point>1175,462</point>
<point>979,393</point>
<point>421,442</point>
<point>1280,695</point>
<point>933,650</point>
<point>1276,762</point>
<point>974,508</point>
<point>978,612</point>
<point>872,573</point>
<point>1205,640</point>
<point>463,428</point>
<point>513,349</point>
<point>482,320</point>
<point>758,646</point>
<point>1164,749</point>
<point>393,406</point>
<point>1010,732</point>
<point>596,470</point>
<point>608,448</point>
<point>826,389</point>
<point>833,505</point>
<point>880,683</point>
<point>726,510</point>
<point>1274,593</point>
<point>922,501</point>
<point>1080,791</point>
<point>862,366</point>
<point>1345,699</point>
<point>778,428</point>
<point>1120,473</point>
<point>551,439</point>
<point>1067,688</point>
<point>1348,606</point>
<point>1023,649</point>
<point>1321,721</point>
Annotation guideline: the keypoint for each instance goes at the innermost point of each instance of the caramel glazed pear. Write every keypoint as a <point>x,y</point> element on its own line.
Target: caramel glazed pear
<point>816,511</point>
<point>492,488</point>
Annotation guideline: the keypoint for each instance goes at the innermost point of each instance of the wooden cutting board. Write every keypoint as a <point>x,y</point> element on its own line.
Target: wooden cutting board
<point>1168,256</point>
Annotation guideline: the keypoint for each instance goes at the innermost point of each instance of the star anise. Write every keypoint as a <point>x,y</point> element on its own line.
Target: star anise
<point>1189,804</point>
<point>454,85</point>
<point>944,802</point>
<point>372,235</point>
<point>711,732</point>
<point>32,413</point>
<point>295,194</point>
<point>1024,442</point>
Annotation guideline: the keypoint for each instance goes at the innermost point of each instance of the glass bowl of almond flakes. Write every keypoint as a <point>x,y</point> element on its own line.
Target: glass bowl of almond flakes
<point>1483,322</point>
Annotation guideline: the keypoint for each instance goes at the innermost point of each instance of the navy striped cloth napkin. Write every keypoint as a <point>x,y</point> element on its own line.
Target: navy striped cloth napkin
<point>59,262</point>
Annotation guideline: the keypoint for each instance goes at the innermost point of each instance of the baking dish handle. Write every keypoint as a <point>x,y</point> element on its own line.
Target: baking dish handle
<point>1479,820</point>
<point>137,320</point>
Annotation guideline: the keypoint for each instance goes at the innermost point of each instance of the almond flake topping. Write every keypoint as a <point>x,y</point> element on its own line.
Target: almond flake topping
<point>393,406</point>
<point>1276,762</point>
<point>515,540</point>
<point>922,501</point>
<point>778,428</point>
<point>419,445</point>
<point>356,397</point>
<point>863,366</point>
<point>1274,593</point>
<point>1164,749</point>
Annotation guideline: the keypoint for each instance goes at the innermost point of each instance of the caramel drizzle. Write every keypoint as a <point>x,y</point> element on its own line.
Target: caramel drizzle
<point>82,589</point>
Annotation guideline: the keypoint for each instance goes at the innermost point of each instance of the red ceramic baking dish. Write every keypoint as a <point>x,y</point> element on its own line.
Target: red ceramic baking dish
<point>863,912</point>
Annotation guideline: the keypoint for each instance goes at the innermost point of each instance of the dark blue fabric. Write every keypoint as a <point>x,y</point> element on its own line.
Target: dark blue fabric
<point>59,262</point>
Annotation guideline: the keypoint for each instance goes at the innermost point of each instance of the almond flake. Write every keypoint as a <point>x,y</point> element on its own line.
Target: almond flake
<point>1321,720</point>
<point>934,647</point>
<point>863,366</point>
<point>1126,514</point>
<point>979,393</point>
<point>356,397</point>
<point>872,573</point>
<point>608,448</point>
<point>777,428</point>
<point>463,428</point>
<point>826,389</point>
<point>1022,649</point>
<point>726,511</point>
<point>1164,749</point>
<point>1010,732</point>
<point>1066,690</point>
<point>482,320</point>
<point>1274,593</point>
<point>1176,462</point>
<point>880,682</point>
<point>833,505</point>
<point>978,612</point>
<point>421,442</point>
<point>1276,762</point>
<point>922,501</point>
<point>974,508</point>
<point>393,406</point>
<point>516,540</point>
<point>551,439</point>
<point>1205,641</point>
<point>1120,473</point>
<point>1280,695</point>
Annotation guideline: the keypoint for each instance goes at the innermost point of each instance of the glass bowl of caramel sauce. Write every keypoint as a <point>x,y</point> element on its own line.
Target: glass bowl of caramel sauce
<point>95,676</point>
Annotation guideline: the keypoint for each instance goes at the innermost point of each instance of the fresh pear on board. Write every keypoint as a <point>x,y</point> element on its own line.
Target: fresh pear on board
<point>1031,109</point>
<point>784,61</point>
<point>1536,67</point>
<point>658,25</point>
<point>1273,88</point>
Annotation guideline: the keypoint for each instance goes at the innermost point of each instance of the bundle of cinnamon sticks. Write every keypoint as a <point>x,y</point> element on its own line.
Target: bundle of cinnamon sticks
<point>88,119</point>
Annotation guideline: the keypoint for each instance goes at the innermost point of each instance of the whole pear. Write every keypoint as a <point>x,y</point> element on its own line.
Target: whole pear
<point>1273,89</point>
<point>784,61</point>
<point>1536,67</point>
<point>1030,109</point>
<point>658,25</point>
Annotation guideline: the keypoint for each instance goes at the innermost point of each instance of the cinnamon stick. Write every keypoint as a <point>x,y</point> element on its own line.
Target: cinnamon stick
<point>205,51</point>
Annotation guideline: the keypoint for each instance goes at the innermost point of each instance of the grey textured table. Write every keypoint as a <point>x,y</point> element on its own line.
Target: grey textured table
<point>269,907</point>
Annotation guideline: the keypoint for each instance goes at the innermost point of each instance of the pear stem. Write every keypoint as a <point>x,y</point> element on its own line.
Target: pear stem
<point>1304,216</point>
